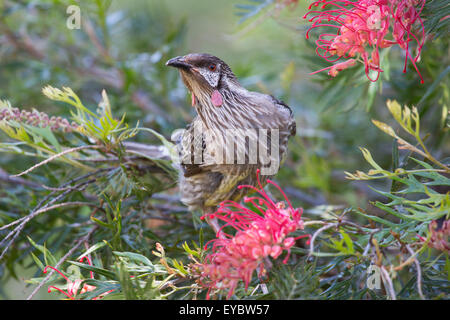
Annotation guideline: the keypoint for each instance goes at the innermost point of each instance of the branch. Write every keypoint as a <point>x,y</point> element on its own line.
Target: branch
<point>387,280</point>
<point>313,238</point>
<point>419,271</point>
<point>4,176</point>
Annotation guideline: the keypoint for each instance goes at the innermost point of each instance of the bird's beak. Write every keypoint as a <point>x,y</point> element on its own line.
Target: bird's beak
<point>179,62</point>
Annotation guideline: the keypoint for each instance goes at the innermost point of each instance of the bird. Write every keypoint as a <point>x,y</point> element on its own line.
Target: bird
<point>217,150</point>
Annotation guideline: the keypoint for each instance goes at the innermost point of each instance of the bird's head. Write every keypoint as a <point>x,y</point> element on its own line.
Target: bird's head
<point>205,75</point>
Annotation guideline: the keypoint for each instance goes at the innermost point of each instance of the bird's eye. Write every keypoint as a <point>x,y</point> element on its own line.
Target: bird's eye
<point>212,67</point>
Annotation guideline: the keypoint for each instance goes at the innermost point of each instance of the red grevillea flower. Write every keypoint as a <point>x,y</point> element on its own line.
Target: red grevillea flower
<point>363,27</point>
<point>259,235</point>
<point>72,287</point>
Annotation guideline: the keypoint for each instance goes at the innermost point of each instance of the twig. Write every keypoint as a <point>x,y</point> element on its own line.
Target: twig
<point>111,159</point>
<point>38,209</point>
<point>79,187</point>
<point>312,222</point>
<point>407,262</point>
<point>328,226</point>
<point>25,217</point>
<point>166,197</point>
<point>55,189</point>
<point>387,280</point>
<point>367,248</point>
<point>64,258</point>
<point>63,187</point>
<point>87,175</point>
<point>313,238</point>
<point>419,272</point>
<point>65,204</point>
<point>4,176</point>
<point>6,226</point>
<point>66,186</point>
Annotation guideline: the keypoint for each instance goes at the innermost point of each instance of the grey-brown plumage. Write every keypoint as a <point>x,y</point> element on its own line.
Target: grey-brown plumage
<point>229,119</point>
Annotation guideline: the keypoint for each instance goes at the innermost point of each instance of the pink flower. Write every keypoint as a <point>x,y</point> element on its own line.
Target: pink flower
<point>363,27</point>
<point>439,232</point>
<point>37,119</point>
<point>73,286</point>
<point>259,235</point>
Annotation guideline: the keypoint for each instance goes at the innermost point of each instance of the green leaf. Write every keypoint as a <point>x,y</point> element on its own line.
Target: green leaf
<point>93,248</point>
<point>348,242</point>
<point>377,219</point>
<point>103,224</point>
<point>47,134</point>
<point>49,259</point>
<point>37,261</point>
<point>135,257</point>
